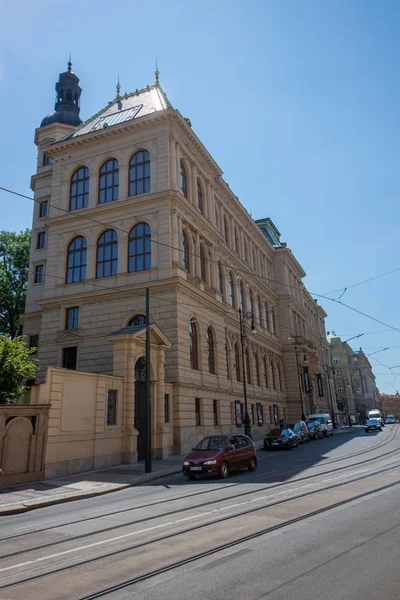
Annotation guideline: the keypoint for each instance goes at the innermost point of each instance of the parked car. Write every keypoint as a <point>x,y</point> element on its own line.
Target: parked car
<point>315,430</point>
<point>281,439</point>
<point>300,429</point>
<point>325,421</point>
<point>219,455</point>
<point>390,420</point>
<point>373,425</point>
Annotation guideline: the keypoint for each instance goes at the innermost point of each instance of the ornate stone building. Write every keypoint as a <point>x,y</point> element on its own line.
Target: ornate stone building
<point>354,379</point>
<point>131,199</point>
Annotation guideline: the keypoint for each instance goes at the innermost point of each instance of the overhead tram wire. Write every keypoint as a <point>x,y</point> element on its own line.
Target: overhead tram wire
<point>348,287</point>
<point>242,271</point>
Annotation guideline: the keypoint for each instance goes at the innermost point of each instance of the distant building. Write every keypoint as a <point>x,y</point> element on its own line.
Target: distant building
<point>354,379</point>
<point>390,404</point>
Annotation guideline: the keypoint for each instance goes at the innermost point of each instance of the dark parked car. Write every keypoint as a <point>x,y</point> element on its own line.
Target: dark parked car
<point>315,430</point>
<point>300,429</point>
<point>220,454</point>
<point>373,425</point>
<point>280,439</point>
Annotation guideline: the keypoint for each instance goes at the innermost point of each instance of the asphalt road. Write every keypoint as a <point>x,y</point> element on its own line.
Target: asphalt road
<point>334,545</point>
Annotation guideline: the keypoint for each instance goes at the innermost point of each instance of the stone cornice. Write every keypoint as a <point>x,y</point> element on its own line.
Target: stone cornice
<point>58,148</point>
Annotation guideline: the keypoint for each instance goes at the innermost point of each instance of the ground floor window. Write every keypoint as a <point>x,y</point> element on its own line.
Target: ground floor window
<point>69,357</point>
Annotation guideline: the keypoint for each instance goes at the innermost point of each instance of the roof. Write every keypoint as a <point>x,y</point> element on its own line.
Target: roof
<point>124,108</point>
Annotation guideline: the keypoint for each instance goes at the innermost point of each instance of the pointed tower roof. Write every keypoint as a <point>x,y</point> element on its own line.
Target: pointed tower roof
<point>67,103</point>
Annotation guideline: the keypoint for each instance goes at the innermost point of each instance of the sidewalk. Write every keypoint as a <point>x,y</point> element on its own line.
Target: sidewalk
<point>21,498</point>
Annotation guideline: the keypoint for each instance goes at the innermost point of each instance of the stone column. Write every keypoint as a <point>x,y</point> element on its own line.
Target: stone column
<point>91,262</point>
<point>123,190</point>
<point>175,237</point>
<point>197,262</point>
<point>178,167</point>
<point>93,189</point>
<point>179,246</point>
<point>172,168</point>
<point>213,269</point>
<point>194,185</point>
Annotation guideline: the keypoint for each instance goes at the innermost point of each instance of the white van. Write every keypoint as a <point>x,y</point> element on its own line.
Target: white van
<point>326,422</point>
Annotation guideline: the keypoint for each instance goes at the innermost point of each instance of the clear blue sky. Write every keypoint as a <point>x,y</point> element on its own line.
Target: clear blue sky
<point>297,100</point>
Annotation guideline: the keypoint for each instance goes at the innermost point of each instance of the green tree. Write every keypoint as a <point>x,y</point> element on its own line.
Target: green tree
<point>14,264</point>
<point>16,366</point>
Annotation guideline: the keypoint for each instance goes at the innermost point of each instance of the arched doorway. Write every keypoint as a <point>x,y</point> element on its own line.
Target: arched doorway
<point>140,406</point>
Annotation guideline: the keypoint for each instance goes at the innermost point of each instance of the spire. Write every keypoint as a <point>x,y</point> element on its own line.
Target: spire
<point>157,74</point>
<point>67,101</point>
<point>118,87</point>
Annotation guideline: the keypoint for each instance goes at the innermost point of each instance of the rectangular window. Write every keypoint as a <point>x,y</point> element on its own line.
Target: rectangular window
<point>46,159</point>
<point>43,209</point>
<point>197,411</point>
<point>72,318</point>
<point>112,407</point>
<point>69,357</point>
<point>39,274</point>
<point>41,240</point>
<point>260,416</point>
<point>336,360</point>
<point>166,408</point>
<point>215,411</point>
<point>33,341</point>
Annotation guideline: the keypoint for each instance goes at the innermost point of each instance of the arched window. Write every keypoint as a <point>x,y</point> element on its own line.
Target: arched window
<point>193,343</point>
<point>259,315</point>
<point>228,366</point>
<point>266,316</point>
<point>76,260</point>
<point>258,378</point>
<point>210,350</point>
<point>266,372</point>
<point>79,191</point>
<point>139,173</point>
<point>220,280</point>
<point>246,252</point>
<point>69,96</point>
<point>216,216</point>
<point>273,322</point>
<point>254,260</point>
<point>236,242</point>
<point>185,251</point>
<point>183,180</point>
<point>273,375</point>
<point>107,254</point>
<point>109,181</point>
<point>251,301</point>
<point>202,264</point>
<point>138,320</point>
<point>231,290</point>
<point>248,367</point>
<point>279,377</point>
<point>242,302</point>
<point>226,231</point>
<point>200,203</point>
<point>237,362</point>
<point>139,248</point>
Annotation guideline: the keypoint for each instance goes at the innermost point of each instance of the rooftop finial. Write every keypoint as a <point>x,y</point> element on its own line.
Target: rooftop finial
<point>118,87</point>
<point>69,63</point>
<point>157,74</point>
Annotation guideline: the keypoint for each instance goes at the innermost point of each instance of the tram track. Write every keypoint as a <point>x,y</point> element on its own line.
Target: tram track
<point>194,528</point>
<point>208,492</point>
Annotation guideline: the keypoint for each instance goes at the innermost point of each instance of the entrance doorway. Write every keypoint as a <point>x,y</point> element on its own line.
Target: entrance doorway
<point>140,406</point>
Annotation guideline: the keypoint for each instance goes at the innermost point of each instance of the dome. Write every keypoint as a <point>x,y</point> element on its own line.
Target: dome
<point>65,117</point>
<point>67,103</point>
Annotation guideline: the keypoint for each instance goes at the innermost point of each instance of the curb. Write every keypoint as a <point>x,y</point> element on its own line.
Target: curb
<point>22,508</point>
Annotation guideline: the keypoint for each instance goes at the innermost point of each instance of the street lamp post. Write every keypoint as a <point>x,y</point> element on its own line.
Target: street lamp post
<point>303,416</point>
<point>347,402</point>
<point>243,341</point>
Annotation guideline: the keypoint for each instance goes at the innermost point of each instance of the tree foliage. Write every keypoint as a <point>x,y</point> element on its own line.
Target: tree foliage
<point>14,265</point>
<point>16,366</point>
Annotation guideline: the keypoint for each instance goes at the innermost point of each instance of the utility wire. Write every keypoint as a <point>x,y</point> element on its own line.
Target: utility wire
<point>344,289</point>
<point>210,260</point>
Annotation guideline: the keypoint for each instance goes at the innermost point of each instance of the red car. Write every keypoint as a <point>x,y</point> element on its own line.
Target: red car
<point>220,454</point>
